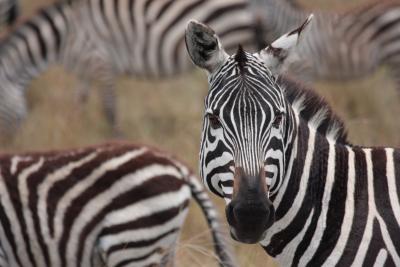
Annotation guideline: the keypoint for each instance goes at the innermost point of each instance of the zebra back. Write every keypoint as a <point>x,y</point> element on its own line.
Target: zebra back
<point>97,40</point>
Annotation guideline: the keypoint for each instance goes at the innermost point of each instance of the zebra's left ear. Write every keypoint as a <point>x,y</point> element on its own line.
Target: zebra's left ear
<point>204,46</point>
<point>275,54</point>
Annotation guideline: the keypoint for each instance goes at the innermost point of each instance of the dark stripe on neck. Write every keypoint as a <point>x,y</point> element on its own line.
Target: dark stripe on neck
<point>336,208</point>
<point>315,192</point>
<point>280,240</point>
<point>381,192</point>
<point>360,209</point>
<point>375,245</point>
<point>297,169</point>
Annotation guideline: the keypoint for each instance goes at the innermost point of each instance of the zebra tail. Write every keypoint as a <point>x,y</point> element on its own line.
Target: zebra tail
<point>222,249</point>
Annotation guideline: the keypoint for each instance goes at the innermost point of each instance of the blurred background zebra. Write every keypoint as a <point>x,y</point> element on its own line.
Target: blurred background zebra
<point>168,113</point>
<point>98,40</point>
<point>339,45</point>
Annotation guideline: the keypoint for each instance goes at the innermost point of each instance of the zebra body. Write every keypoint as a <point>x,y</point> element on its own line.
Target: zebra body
<point>99,40</point>
<point>110,205</point>
<point>278,155</point>
<point>338,46</point>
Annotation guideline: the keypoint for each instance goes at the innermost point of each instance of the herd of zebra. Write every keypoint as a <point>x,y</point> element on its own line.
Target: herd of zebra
<point>271,147</point>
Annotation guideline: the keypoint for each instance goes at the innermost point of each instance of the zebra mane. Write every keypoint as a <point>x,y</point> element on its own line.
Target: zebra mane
<point>241,58</point>
<point>314,109</point>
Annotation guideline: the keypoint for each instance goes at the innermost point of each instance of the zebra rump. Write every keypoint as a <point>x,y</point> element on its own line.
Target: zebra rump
<point>115,204</point>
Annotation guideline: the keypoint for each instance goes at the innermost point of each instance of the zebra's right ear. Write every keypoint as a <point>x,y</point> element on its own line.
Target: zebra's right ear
<point>204,47</point>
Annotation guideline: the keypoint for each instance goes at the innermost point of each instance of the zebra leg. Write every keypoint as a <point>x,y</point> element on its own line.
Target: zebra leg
<point>13,111</point>
<point>83,91</point>
<point>100,71</point>
<point>104,75</point>
<point>108,99</point>
<point>395,74</point>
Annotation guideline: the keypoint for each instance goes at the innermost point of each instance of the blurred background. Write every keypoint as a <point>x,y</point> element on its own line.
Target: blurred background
<point>168,113</point>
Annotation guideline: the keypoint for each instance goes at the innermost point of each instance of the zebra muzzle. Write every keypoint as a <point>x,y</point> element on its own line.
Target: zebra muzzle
<point>250,213</point>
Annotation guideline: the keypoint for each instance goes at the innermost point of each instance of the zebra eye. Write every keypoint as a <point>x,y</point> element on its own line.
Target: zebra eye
<point>278,119</point>
<point>214,121</point>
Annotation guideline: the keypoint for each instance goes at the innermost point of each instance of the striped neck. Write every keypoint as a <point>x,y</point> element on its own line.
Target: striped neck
<point>338,206</point>
<point>312,183</point>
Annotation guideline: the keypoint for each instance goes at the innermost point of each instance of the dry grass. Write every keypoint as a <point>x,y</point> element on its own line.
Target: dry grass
<point>168,114</point>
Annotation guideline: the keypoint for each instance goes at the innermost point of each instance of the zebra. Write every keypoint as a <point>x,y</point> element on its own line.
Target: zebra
<point>9,12</point>
<point>340,45</point>
<point>98,40</point>
<point>279,156</point>
<point>114,204</point>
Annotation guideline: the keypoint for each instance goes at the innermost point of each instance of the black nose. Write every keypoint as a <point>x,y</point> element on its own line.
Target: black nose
<point>252,212</point>
<point>249,220</point>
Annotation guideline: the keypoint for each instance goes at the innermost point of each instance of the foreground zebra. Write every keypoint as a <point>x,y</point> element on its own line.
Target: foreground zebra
<point>339,46</point>
<point>279,157</point>
<point>110,205</point>
<point>98,40</point>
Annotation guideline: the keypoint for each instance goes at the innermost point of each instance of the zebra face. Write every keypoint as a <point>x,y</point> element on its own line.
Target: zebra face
<point>242,152</point>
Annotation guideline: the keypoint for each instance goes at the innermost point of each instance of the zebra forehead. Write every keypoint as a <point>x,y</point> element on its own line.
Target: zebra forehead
<point>243,100</point>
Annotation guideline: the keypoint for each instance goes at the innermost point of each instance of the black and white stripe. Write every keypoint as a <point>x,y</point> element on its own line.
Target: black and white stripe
<point>110,205</point>
<point>334,204</point>
<point>99,39</point>
<point>338,46</point>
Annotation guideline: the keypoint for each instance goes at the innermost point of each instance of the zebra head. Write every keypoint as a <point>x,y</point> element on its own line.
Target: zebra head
<point>246,127</point>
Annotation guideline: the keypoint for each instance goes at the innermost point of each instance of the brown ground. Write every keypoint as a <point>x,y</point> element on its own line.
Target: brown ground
<point>168,114</point>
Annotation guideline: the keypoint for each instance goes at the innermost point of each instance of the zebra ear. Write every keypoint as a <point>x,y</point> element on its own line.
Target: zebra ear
<point>204,47</point>
<point>275,54</point>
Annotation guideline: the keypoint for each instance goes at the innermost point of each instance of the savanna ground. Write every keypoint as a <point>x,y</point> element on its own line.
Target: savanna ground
<point>169,114</point>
